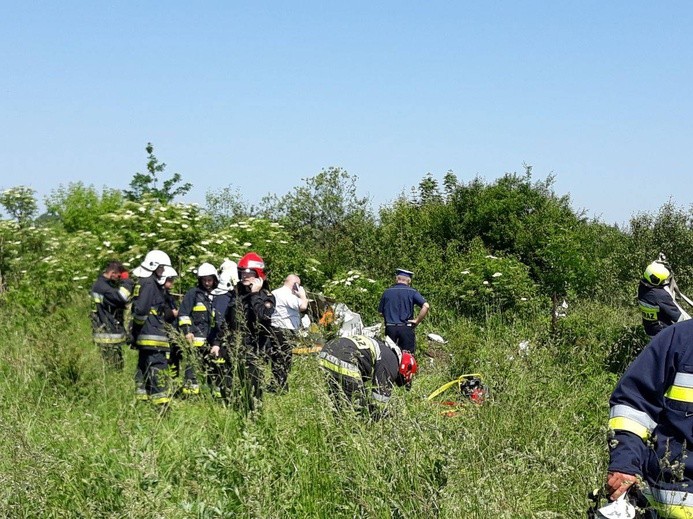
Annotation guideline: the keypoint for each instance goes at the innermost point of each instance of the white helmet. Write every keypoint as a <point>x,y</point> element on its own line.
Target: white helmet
<point>231,268</point>
<point>226,282</point>
<point>169,272</point>
<point>207,269</point>
<point>153,260</point>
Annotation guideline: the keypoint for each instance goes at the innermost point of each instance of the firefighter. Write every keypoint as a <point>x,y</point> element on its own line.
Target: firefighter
<point>651,424</point>
<point>228,277</point>
<point>246,327</point>
<point>656,299</point>
<point>150,315</point>
<point>397,308</point>
<point>110,294</point>
<point>198,321</point>
<point>363,370</point>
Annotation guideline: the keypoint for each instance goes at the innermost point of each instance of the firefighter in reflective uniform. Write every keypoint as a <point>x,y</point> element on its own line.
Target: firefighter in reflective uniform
<point>150,315</point>
<point>651,424</point>
<point>246,327</point>
<point>198,321</point>
<point>656,300</point>
<point>110,294</point>
<point>363,370</point>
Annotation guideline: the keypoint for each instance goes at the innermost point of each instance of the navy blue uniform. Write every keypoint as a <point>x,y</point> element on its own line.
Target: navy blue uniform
<point>151,313</point>
<point>246,333</point>
<point>658,308</point>
<point>651,419</point>
<point>198,315</point>
<point>357,365</point>
<point>397,307</point>
<point>109,302</point>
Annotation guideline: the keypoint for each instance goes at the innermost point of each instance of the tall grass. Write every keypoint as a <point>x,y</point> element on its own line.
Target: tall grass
<point>74,443</point>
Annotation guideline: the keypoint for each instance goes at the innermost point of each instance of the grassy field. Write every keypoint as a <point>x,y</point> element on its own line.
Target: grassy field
<point>74,443</point>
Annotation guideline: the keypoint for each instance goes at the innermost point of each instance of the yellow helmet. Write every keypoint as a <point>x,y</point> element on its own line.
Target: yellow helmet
<point>656,273</point>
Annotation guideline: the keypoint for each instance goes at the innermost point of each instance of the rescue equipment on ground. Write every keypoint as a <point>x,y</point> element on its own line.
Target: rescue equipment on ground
<point>470,388</point>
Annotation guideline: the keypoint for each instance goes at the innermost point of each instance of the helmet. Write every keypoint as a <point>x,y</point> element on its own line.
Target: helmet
<point>408,366</point>
<point>207,269</point>
<point>656,273</point>
<point>226,282</point>
<point>169,272</point>
<point>252,261</point>
<point>151,262</point>
<point>229,269</point>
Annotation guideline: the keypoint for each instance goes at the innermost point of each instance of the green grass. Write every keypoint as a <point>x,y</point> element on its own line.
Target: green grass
<point>74,443</point>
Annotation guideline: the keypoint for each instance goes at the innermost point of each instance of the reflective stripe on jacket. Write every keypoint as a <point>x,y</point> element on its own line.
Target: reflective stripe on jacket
<point>651,419</point>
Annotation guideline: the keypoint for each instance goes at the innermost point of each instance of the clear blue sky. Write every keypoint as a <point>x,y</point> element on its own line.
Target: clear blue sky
<point>259,95</point>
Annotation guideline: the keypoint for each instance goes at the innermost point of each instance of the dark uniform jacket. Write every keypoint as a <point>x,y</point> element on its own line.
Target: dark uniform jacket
<point>250,314</point>
<point>150,314</point>
<point>367,361</point>
<point>651,418</point>
<point>397,303</point>
<point>109,302</point>
<point>197,315</point>
<point>658,308</point>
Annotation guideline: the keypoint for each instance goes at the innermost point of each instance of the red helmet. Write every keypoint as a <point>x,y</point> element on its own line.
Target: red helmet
<point>252,261</point>
<point>408,366</point>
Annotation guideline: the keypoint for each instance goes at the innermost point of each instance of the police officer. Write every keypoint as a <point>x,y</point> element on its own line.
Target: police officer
<point>363,370</point>
<point>651,424</point>
<point>656,299</point>
<point>110,295</point>
<point>397,308</point>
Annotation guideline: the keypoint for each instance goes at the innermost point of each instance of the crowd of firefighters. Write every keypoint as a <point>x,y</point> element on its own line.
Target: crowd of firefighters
<point>230,322</point>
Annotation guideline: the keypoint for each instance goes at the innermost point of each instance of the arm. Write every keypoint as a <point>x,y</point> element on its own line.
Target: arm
<point>422,314</point>
<point>185,314</point>
<point>301,294</point>
<point>636,405</point>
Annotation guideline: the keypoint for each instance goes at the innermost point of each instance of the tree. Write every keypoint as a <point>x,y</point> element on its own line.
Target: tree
<point>328,217</point>
<point>147,183</point>
<point>80,207</point>
<point>227,205</point>
<point>20,204</point>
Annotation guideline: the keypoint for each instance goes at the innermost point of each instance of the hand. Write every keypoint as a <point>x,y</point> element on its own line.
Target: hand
<point>174,311</point>
<point>413,322</point>
<point>256,285</point>
<point>190,337</point>
<point>618,483</point>
<point>301,292</point>
<point>215,351</point>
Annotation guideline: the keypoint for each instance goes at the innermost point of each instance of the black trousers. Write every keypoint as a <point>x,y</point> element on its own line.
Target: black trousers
<point>280,355</point>
<point>403,336</point>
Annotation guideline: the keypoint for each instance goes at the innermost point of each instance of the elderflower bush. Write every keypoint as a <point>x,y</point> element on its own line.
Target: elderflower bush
<point>359,292</point>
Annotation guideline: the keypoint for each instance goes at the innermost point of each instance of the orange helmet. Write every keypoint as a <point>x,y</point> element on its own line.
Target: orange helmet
<point>408,366</point>
<point>252,261</point>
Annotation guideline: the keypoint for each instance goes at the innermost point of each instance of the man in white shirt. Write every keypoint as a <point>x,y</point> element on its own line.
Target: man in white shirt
<point>291,300</point>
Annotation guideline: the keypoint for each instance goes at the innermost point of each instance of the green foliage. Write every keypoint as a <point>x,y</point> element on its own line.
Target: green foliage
<point>476,282</point>
<point>76,445</point>
<point>20,204</point>
<point>359,292</point>
<point>328,218</point>
<point>670,231</point>
<point>226,206</point>
<point>81,208</point>
<point>146,184</point>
